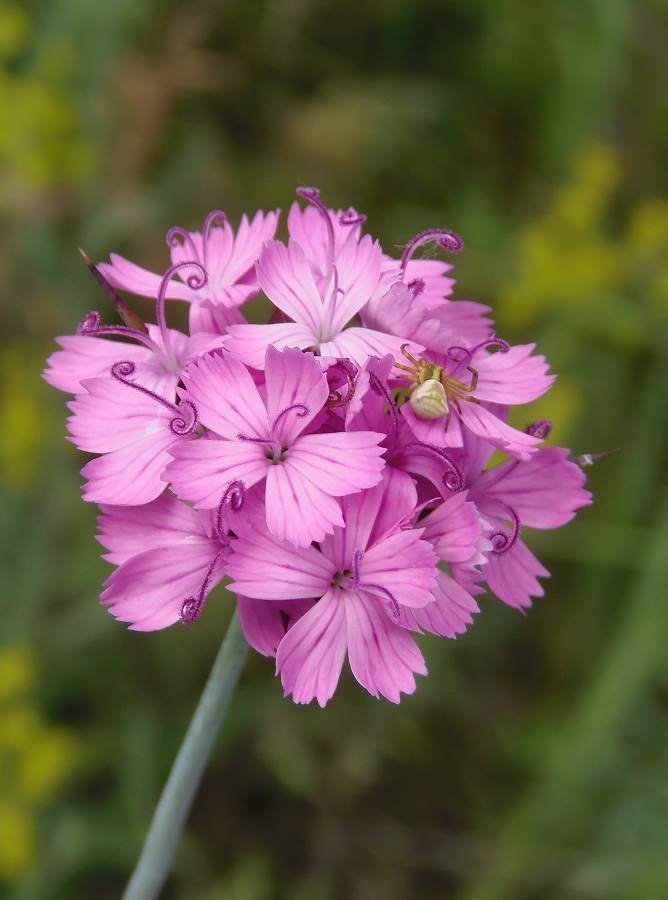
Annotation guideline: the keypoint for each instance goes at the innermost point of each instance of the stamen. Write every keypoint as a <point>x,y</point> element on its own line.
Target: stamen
<point>502,542</point>
<point>539,429</point>
<point>177,232</point>
<point>195,281</point>
<point>124,310</point>
<point>381,388</point>
<point>191,608</point>
<point>185,419</point>
<point>454,477</point>
<point>300,408</point>
<point>352,217</point>
<point>90,326</point>
<point>447,240</point>
<point>453,354</point>
<point>272,441</point>
<point>370,586</point>
<point>312,194</point>
<point>342,372</point>
<point>492,341</point>
<point>231,501</point>
<point>215,219</point>
<point>416,287</point>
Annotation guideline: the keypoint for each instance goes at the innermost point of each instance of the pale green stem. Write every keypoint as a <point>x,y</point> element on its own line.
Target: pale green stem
<point>155,861</point>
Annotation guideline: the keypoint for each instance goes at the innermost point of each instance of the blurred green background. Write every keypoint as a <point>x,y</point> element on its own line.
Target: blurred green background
<point>533,761</point>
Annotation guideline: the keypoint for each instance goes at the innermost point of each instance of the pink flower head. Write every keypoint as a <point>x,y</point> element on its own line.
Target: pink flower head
<point>256,439</point>
<point>333,462</point>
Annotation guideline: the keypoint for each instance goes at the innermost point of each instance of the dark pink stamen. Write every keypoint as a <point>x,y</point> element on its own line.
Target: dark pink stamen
<point>358,584</point>
<point>231,502</point>
<point>339,375</point>
<point>352,217</point>
<point>454,477</point>
<point>539,429</point>
<point>502,542</point>
<point>185,418</point>
<point>447,240</point>
<point>192,607</point>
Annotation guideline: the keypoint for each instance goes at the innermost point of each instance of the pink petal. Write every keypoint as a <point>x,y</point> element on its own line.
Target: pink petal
<point>310,656</point>
<point>358,273</point>
<point>226,397</point>
<point>149,589</point>
<point>265,622</point>
<point>293,377</point>
<point>513,576</point>
<point>339,463</point>
<point>112,415</point>
<point>383,657</point>
<point>202,469</point>
<point>127,276</point>
<point>511,377</point>
<point>454,527</point>
<point>165,522</point>
<point>250,342</point>
<point>85,357</point>
<point>268,569</point>
<point>297,510</point>
<point>129,476</point>
<point>286,278</point>
<point>545,491</point>
<point>404,565</point>
<point>451,611</point>
<point>490,428</point>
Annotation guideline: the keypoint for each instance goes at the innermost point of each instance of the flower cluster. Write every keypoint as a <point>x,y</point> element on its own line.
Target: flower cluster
<point>333,464</point>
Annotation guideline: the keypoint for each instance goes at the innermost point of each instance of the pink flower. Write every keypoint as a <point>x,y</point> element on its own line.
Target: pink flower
<point>320,311</point>
<point>133,428</point>
<point>462,388</point>
<point>362,577</point>
<point>228,262</point>
<point>542,492</point>
<point>168,556</point>
<point>159,361</point>
<point>305,473</point>
<point>333,462</point>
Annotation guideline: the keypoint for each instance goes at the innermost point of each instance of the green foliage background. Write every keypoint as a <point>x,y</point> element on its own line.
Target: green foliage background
<point>533,761</point>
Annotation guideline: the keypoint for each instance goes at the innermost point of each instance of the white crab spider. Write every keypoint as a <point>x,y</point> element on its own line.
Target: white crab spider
<point>432,391</point>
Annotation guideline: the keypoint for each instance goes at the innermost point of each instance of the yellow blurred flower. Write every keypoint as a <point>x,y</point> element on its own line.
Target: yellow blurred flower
<point>34,759</point>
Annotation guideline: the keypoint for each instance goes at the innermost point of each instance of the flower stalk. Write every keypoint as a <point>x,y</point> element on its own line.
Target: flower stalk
<point>154,863</point>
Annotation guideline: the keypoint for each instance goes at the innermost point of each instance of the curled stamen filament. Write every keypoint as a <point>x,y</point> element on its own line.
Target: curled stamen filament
<point>358,584</point>
<point>502,542</point>
<point>231,501</point>
<point>381,388</point>
<point>191,608</point>
<point>312,194</point>
<point>448,240</point>
<point>336,398</point>
<point>454,477</point>
<point>271,439</point>
<point>185,418</point>
<point>352,217</point>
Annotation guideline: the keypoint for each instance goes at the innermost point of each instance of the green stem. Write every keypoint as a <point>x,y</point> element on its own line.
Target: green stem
<point>155,861</point>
